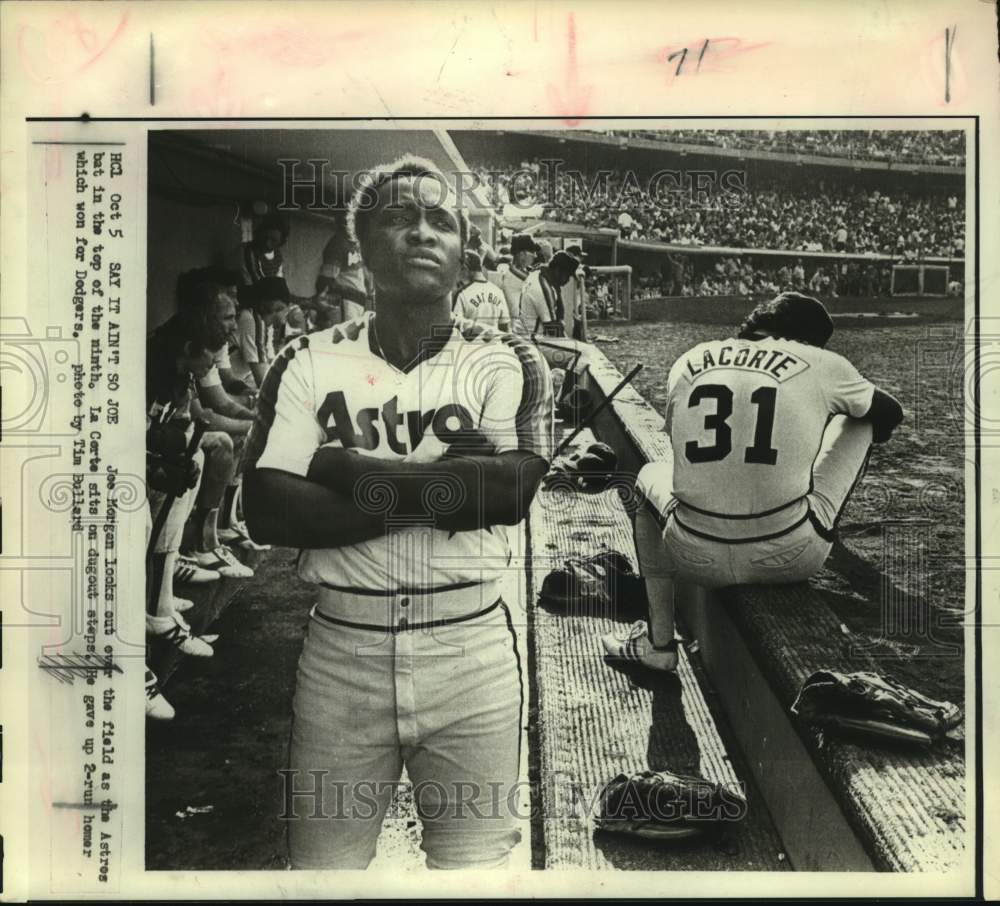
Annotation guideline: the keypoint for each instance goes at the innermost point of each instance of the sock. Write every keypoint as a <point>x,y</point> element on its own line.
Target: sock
<point>165,597</point>
<point>206,523</point>
<point>155,580</point>
<point>660,592</point>
<point>227,512</point>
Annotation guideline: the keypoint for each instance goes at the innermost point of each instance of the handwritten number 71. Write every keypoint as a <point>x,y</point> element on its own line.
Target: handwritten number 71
<point>682,53</point>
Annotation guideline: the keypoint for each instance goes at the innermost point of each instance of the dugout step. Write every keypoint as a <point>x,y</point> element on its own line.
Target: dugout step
<point>904,805</point>
<point>592,721</point>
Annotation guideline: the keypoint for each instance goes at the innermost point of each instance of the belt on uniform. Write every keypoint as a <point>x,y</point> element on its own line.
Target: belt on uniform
<point>356,610</point>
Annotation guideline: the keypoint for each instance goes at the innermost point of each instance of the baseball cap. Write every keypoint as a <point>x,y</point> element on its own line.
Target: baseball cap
<point>564,261</point>
<point>576,251</point>
<point>522,242</point>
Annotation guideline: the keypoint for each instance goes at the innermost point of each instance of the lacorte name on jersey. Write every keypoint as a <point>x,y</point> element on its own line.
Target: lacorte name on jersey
<point>777,363</point>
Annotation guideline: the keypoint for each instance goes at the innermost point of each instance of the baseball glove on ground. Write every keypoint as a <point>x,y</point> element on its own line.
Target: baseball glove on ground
<point>662,805</point>
<point>875,705</point>
<point>604,584</point>
<point>590,470</point>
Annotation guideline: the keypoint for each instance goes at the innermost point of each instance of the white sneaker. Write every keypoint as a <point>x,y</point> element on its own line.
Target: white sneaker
<point>174,630</point>
<point>637,648</point>
<point>188,570</point>
<point>224,562</point>
<point>237,533</point>
<point>182,605</point>
<point>157,707</point>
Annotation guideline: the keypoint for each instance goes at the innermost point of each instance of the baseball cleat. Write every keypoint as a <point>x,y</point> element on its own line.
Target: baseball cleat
<point>182,605</point>
<point>238,534</point>
<point>175,631</point>
<point>187,570</point>
<point>224,562</point>
<point>157,707</point>
<point>637,648</point>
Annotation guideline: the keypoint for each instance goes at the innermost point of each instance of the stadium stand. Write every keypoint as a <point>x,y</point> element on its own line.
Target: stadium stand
<point>939,148</point>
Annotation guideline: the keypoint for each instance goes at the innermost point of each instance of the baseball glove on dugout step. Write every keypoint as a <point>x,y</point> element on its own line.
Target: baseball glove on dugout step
<point>875,705</point>
<point>662,805</point>
<point>591,469</point>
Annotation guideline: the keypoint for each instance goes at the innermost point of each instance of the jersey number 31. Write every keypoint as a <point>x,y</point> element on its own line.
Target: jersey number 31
<point>718,422</point>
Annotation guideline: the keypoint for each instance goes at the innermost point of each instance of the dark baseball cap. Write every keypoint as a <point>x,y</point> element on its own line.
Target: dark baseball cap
<point>576,251</point>
<point>564,261</point>
<point>522,242</point>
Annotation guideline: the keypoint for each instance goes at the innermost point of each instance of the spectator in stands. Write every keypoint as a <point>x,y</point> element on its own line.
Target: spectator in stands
<point>769,215</point>
<point>930,147</point>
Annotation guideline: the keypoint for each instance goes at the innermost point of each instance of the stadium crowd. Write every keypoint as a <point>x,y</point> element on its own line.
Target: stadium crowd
<point>825,217</point>
<point>737,275</point>
<point>908,146</point>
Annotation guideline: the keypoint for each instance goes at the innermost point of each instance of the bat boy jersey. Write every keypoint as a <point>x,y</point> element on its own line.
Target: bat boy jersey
<point>746,419</point>
<point>335,388</point>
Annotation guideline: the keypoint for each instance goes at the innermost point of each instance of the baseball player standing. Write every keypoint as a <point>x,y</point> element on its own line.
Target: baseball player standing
<point>394,449</point>
<point>770,433</point>
<point>479,300</point>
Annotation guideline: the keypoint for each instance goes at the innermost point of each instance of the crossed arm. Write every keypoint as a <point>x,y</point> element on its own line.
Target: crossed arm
<point>347,498</point>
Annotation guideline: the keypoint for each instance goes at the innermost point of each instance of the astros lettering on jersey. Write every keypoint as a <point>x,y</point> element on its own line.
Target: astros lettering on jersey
<point>333,387</point>
<point>746,419</point>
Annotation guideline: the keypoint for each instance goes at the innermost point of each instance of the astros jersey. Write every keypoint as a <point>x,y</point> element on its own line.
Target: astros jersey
<point>481,302</point>
<point>333,387</point>
<point>746,418</point>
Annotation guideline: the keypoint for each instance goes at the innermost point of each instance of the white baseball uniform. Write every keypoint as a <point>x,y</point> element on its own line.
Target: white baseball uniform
<point>410,658</point>
<point>767,446</point>
<point>481,302</point>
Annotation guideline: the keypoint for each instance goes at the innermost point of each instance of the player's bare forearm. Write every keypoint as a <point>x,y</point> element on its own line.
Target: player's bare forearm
<point>258,370</point>
<point>290,511</point>
<point>459,493</point>
<point>223,405</point>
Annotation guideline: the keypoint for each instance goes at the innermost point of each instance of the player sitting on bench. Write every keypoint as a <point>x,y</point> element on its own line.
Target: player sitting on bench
<point>770,433</point>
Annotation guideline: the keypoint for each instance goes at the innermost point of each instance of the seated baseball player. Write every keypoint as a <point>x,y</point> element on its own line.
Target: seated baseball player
<point>394,450</point>
<point>265,304</point>
<point>770,433</point>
